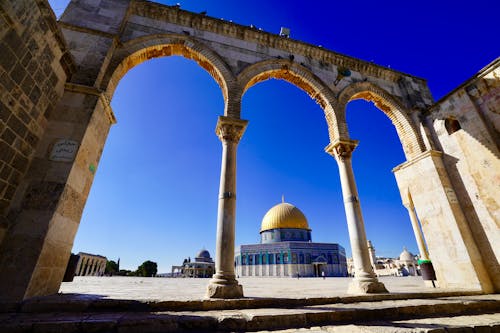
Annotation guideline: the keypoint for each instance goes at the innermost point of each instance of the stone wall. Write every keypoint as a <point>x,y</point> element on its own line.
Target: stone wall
<point>467,127</point>
<point>452,164</point>
<point>34,66</point>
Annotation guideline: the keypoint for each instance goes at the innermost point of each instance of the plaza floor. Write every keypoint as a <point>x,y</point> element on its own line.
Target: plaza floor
<point>149,289</point>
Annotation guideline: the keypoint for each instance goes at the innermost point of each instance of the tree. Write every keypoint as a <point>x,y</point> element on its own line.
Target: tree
<point>148,268</point>
<point>111,267</point>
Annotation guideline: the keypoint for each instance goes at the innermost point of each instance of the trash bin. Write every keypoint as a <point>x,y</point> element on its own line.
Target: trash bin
<point>427,270</point>
<point>71,268</point>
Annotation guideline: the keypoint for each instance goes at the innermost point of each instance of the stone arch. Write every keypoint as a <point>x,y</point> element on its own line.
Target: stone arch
<point>409,136</point>
<point>299,76</point>
<point>136,51</point>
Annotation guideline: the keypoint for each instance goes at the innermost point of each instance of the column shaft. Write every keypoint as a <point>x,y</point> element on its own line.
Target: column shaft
<point>364,280</point>
<point>223,283</point>
<point>419,237</point>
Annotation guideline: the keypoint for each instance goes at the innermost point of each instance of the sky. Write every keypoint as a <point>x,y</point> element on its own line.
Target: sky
<point>155,191</point>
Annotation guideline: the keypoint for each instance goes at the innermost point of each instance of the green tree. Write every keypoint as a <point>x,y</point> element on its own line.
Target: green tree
<point>148,268</point>
<point>111,268</point>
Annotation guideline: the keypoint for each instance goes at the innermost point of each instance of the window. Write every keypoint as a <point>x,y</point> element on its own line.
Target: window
<point>451,125</point>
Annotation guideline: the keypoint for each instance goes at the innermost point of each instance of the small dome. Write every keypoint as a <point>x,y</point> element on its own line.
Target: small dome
<point>406,256</point>
<point>284,216</point>
<point>203,254</point>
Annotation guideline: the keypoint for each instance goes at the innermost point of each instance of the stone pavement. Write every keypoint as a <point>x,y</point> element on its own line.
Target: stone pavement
<point>139,288</point>
<point>125,305</point>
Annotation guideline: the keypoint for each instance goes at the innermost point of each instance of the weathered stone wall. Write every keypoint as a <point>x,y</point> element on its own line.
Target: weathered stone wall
<point>109,37</point>
<point>45,104</point>
<point>467,126</point>
<point>453,251</point>
<point>33,70</point>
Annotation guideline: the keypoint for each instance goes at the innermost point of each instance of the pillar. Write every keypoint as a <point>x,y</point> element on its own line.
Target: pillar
<point>79,265</point>
<point>364,280</point>
<point>371,251</point>
<point>223,283</point>
<point>419,237</point>
<point>90,267</point>
<point>103,268</point>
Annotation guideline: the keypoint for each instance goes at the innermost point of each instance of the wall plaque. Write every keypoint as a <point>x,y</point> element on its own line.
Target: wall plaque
<point>64,151</point>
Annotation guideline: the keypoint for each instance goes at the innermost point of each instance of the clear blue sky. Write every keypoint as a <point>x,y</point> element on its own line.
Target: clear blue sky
<point>155,191</point>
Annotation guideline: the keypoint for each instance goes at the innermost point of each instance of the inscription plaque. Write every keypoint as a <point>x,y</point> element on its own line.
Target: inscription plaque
<point>64,151</point>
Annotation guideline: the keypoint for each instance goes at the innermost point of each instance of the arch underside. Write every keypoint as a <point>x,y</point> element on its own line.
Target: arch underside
<point>233,88</point>
<point>407,131</point>
<point>298,76</point>
<point>142,49</point>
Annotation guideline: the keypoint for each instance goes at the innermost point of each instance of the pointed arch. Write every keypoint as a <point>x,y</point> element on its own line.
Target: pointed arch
<point>408,133</point>
<point>136,51</point>
<point>299,76</point>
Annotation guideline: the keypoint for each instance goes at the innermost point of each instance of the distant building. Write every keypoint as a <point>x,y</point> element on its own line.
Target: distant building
<point>90,264</point>
<point>202,267</point>
<point>286,249</point>
<point>405,265</point>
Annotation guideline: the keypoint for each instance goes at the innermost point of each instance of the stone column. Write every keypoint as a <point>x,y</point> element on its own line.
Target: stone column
<point>103,268</point>
<point>82,265</point>
<point>223,283</point>
<point>373,257</point>
<point>424,255</point>
<point>91,267</point>
<point>78,266</point>
<point>364,280</point>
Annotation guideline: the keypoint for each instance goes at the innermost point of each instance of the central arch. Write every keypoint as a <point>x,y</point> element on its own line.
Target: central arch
<point>299,76</point>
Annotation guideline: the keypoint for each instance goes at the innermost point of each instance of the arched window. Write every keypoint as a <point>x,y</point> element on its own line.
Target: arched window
<point>451,125</point>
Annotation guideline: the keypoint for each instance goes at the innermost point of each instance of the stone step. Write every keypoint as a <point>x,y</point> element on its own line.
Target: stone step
<point>93,303</point>
<point>255,319</point>
<point>485,323</point>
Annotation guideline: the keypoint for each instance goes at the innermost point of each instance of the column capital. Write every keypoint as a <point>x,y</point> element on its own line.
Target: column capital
<point>341,148</point>
<point>230,129</point>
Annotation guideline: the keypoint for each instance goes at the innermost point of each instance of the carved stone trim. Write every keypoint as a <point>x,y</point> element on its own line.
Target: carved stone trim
<point>341,149</point>
<point>230,129</point>
<point>181,17</point>
<point>417,158</point>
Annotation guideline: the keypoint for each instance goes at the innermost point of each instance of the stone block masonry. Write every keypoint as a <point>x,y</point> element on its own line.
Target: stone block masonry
<point>57,79</point>
<point>34,65</point>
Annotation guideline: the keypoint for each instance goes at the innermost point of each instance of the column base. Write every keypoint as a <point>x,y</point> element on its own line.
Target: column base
<point>366,287</point>
<point>224,291</point>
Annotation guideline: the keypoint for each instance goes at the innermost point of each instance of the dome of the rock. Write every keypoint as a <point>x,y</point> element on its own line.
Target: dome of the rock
<point>284,216</point>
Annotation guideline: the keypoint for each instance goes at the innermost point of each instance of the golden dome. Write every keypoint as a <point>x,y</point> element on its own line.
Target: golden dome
<point>284,215</point>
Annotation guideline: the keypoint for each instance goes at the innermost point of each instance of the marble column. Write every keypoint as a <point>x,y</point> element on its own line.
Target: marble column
<point>92,267</point>
<point>87,267</point>
<point>78,266</point>
<point>364,280</point>
<point>223,283</point>
<point>419,237</point>
<point>81,272</point>
<point>103,268</point>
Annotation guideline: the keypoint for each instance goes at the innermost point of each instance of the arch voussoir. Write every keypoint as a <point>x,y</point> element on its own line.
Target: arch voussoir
<point>138,50</point>
<point>299,76</point>
<point>408,133</point>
